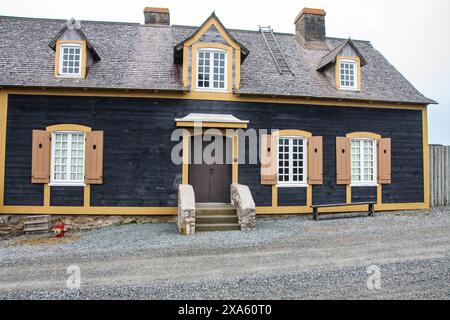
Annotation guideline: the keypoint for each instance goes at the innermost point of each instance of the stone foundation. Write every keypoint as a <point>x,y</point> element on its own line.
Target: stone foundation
<point>12,225</point>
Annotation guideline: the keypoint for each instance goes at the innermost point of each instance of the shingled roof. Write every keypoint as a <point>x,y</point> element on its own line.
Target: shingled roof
<point>140,57</point>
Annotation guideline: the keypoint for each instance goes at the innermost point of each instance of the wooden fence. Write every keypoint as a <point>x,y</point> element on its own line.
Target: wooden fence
<point>439,175</point>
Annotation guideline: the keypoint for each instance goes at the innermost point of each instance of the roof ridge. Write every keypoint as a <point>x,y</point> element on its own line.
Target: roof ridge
<point>64,20</point>
<point>174,25</point>
<point>232,29</point>
<point>354,40</point>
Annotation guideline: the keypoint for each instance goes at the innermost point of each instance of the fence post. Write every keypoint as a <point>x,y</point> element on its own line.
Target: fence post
<point>439,175</point>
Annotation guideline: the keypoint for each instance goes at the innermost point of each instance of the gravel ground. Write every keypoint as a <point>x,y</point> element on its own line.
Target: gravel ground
<point>285,258</point>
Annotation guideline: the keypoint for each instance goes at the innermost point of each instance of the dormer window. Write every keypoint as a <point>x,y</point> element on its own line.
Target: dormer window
<point>70,60</point>
<point>211,69</point>
<point>348,75</point>
<point>74,54</point>
<point>343,66</point>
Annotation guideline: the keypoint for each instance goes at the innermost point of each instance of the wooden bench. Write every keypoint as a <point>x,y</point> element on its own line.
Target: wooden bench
<point>371,208</point>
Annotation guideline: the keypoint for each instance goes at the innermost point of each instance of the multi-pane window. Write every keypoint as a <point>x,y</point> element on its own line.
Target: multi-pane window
<point>70,64</point>
<point>67,158</point>
<point>348,74</point>
<point>211,70</point>
<point>363,161</point>
<point>292,161</point>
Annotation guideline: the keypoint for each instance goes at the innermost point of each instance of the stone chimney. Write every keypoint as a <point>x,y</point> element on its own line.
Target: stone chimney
<point>310,28</point>
<point>156,16</point>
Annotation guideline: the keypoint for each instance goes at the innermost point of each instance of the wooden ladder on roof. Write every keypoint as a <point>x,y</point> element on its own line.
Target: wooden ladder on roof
<point>275,50</point>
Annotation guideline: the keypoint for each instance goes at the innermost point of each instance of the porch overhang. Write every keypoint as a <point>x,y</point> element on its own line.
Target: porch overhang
<point>207,120</point>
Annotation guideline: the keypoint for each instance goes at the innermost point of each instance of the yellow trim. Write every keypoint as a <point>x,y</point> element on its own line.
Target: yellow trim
<point>426,159</point>
<point>295,133</point>
<point>212,124</point>
<point>31,210</point>
<point>212,22</point>
<point>309,196</point>
<point>151,94</point>
<point>348,194</point>
<point>368,135</point>
<point>235,166</point>
<point>68,127</point>
<point>185,65</point>
<point>164,211</point>
<point>220,46</point>
<point>238,68</point>
<point>307,210</point>
<point>379,194</point>
<point>46,195</point>
<point>338,70</point>
<point>83,56</point>
<point>87,196</point>
<point>274,196</point>
<point>185,165</point>
<point>3,124</point>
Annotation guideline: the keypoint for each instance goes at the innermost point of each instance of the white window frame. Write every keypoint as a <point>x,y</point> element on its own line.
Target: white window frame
<point>211,71</point>
<point>355,87</point>
<point>291,183</point>
<point>73,183</point>
<point>61,60</point>
<point>374,181</point>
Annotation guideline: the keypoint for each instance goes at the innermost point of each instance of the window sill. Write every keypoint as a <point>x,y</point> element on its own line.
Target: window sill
<point>292,185</point>
<point>67,76</point>
<point>66,184</point>
<point>349,89</point>
<point>369,184</point>
<point>211,91</point>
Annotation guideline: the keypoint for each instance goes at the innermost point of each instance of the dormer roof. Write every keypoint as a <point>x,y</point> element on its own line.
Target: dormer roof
<point>73,31</point>
<point>331,56</point>
<point>211,22</point>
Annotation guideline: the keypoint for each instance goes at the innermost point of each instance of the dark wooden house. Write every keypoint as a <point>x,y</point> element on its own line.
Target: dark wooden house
<point>88,109</point>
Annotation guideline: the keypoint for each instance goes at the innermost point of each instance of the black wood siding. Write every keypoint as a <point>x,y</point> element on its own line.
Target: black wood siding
<point>291,197</point>
<point>137,147</point>
<point>67,196</point>
<point>364,194</point>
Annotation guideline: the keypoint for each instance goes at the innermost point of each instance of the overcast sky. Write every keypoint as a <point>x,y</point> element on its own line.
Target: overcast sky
<point>413,35</point>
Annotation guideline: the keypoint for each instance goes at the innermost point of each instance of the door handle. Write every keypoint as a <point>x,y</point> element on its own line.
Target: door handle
<point>211,170</point>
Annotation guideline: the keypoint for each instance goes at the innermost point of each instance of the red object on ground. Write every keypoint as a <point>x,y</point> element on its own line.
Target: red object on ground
<point>58,229</point>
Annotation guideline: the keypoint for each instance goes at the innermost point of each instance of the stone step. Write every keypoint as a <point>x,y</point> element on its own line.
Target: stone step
<point>38,217</point>
<point>216,227</point>
<point>215,211</point>
<point>37,229</point>
<point>216,219</point>
<point>36,222</point>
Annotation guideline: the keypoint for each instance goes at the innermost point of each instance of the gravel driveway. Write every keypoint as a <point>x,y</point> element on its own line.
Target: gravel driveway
<point>285,258</point>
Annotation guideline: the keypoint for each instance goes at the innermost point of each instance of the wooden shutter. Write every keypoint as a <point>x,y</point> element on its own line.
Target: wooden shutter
<point>269,146</point>
<point>315,160</point>
<point>40,167</point>
<point>94,158</point>
<point>384,161</point>
<point>343,160</point>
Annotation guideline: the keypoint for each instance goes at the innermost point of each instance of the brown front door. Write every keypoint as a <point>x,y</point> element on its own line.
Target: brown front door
<point>211,182</point>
